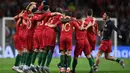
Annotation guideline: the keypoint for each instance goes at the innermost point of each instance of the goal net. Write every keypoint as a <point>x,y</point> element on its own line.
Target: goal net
<point>8,29</point>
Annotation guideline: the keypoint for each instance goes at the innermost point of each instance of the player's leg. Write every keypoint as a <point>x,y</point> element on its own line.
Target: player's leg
<point>45,53</point>
<point>41,53</point>
<point>68,58</point>
<point>51,39</point>
<point>88,55</point>
<point>68,53</point>
<point>74,64</point>
<point>62,56</point>
<point>24,58</point>
<point>92,41</point>
<point>108,57</point>
<point>92,45</point>
<point>62,60</point>
<point>29,46</point>
<point>103,48</point>
<point>78,50</point>
<point>97,61</point>
<point>19,55</point>
<point>42,47</point>
<point>35,53</point>
<point>47,41</point>
<point>49,56</point>
<point>36,46</point>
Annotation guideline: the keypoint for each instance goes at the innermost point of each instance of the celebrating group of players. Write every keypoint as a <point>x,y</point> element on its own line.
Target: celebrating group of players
<point>36,32</point>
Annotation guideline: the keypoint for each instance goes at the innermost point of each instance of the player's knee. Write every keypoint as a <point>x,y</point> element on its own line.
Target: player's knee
<point>75,57</point>
<point>20,52</point>
<point>88,56</point>
<point>68,53</point>
<point>106,57</point>
<point>35,50</point>
<point>62,53</point>
<point>51,50</point>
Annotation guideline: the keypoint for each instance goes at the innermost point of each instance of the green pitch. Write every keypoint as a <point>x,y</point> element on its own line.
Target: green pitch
<point>82,67</point>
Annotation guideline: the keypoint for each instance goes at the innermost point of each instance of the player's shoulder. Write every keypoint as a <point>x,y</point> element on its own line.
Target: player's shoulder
<point>88,19</point>
<point>110,22</point>
<point>47,13</point>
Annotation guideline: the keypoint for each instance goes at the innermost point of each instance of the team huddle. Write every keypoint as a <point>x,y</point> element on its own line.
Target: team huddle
<point>37,30</point>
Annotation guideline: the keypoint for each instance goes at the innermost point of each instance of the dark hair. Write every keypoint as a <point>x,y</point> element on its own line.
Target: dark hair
<point>108,14</point>
<point>78,15</point>
<point>90,12</point>
<point>68,13</point>
<point>46,7</point>
<point>59,10</point>
<point>34,10</point>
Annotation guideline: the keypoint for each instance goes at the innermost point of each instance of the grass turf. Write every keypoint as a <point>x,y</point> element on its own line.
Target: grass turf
<point>82,67</point>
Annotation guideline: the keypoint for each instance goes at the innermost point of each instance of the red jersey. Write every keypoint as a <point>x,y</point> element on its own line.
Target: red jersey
<point>91,29</point>
<point>24,22</point>
<point>80,34</point>
<point>29,22</point>
<point>54,20</point>
<point>47,15</point>
<point>88,19</point>
<point>38,18</point>
<point>22,26</point>
<point>31,25</point>
<point>67,28</point>
<point>17,20</point>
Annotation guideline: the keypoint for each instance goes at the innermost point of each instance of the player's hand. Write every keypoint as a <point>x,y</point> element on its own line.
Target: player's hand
<point>43,0</point>
<point>33,3</point>
<point>120,36</point>
<point>42,3</point>
<point>99,33</point>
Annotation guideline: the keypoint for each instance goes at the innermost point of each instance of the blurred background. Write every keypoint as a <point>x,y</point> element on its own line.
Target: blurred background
<point>119,9</point>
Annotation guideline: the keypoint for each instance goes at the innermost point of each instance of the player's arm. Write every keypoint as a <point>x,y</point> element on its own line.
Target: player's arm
<point>75,24</point>
<point>61,20</point>
<point>25,15</point>
<point>51,25</point>
<point>19,15</point>
<point>54,13</point>
<point>96,29</point>
<point>65,20</point>
<point>90,24</point>
<point>16,17</point>
<point>116,29</point>
<point>41,6</point>
<point>38,17</point>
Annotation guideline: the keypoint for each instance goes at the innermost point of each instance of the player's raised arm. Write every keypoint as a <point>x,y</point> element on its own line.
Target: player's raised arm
<point>38,16</point>
<point>19,15</point>
<point>42,5</point>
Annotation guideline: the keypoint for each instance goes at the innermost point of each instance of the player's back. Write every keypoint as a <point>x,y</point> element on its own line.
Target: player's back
<point>18,22</point>
<point>31,25</point>
<point>39,24</point>
<point>78,32</point>
<point>67,28</point>
<point>47,15</point>
<point>91,29</point>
